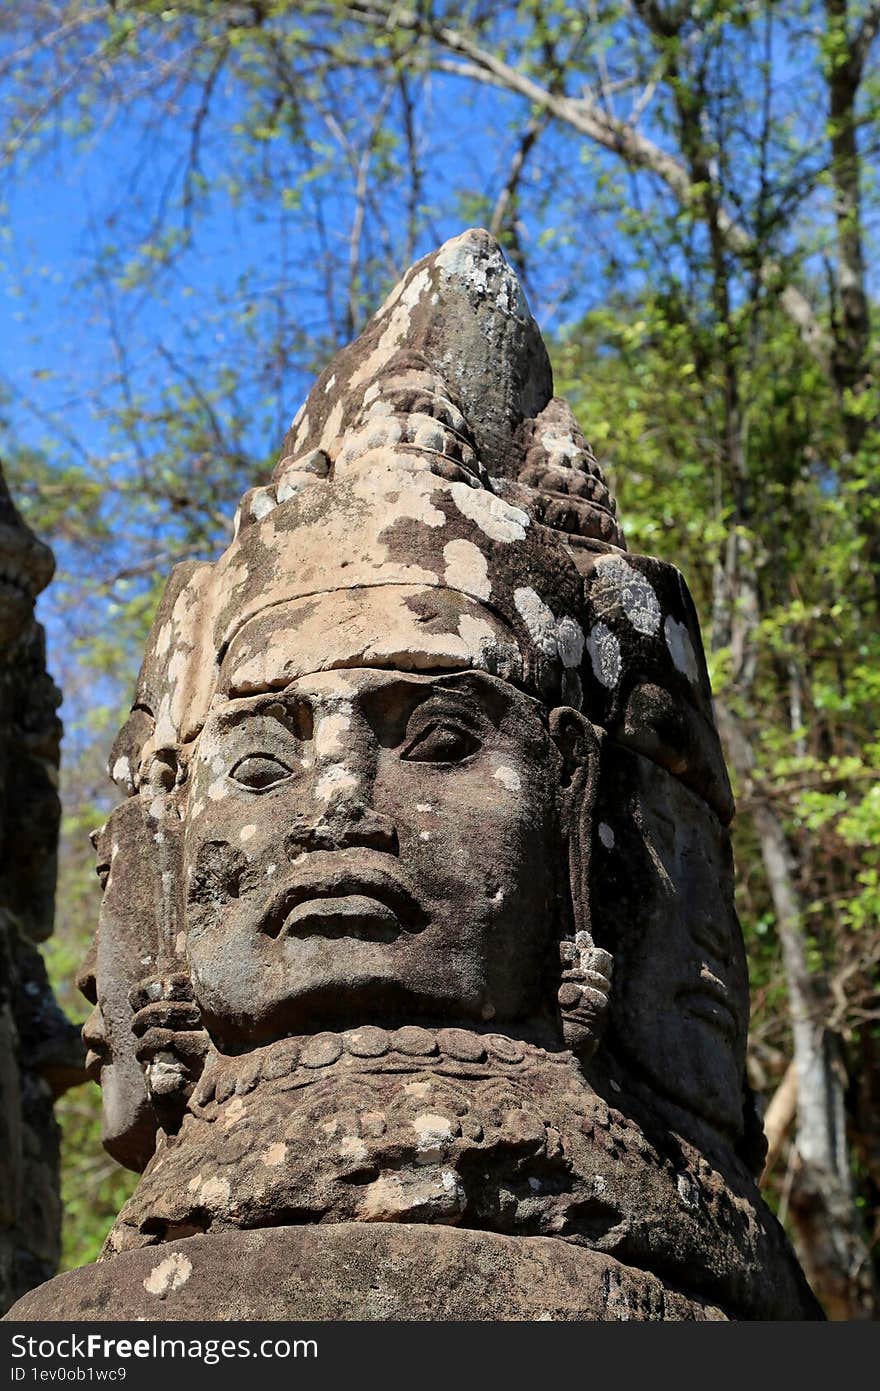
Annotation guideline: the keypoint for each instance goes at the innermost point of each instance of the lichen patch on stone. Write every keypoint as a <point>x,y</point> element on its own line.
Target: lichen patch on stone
<point>169,1275</point>
<point>604,650</point>
<point>497,519</point>
<point>467,568</point>
<point>618,585</point>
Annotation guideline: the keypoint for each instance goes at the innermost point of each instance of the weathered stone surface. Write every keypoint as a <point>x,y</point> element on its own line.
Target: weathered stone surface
<point>359,1271</point>
<point>419,924</point>
<point>40,1052</point>
<point>125,951</point>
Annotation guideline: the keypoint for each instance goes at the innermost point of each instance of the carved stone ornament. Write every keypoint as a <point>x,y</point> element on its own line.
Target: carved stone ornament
<point>419,989</point>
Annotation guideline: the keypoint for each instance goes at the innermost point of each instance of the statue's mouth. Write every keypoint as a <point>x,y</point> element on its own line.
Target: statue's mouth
<point>94,1061</point>
<point>343,900</point>
<point>708,1000</point>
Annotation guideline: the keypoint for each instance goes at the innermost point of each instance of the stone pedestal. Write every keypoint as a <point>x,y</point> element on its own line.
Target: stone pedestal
<point>361,1271</point>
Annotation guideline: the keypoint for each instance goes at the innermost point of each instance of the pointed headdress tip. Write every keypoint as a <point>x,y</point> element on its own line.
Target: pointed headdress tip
<point>453,374</point>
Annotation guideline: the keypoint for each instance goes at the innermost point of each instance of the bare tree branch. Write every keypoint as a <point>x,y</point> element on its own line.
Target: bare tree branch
<point>506,198</point>
<point>585,116</point>
<point>865,36</point>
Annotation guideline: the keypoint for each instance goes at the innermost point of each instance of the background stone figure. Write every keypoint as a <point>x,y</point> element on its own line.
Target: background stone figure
<point>40,1052</point>
<point>421,926</point>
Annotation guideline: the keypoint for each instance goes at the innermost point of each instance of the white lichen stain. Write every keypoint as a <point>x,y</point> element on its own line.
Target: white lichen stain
<point>559,639</point>
<point>432,1131</point>
<point>604,650</point>
<point>169,1275</point>
<point>302,433</point>
<point>497,519</point>
<point>234,1111</point>
<point>332,426</point>
<point>262,503</point>
<point>508,777</point>
<point>163,641</point>
<point>475,264</point>
<point>215,1192</point>
<point>334,782</point>
<point>247,833</point>
<point>467,568</point>
<point>688,1192</point>
<point>482,646</point>
<point>561,449</point>
<point>401,302</point>
<point>330,732</point>
<point>122,771</point>
<point>570,642</point>
<point>382,432</point>
<point>618,583</point>
<point>606,835</point>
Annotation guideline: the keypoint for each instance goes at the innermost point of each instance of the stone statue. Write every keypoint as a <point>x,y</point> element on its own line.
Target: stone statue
<point>418,923</point>
<point>40,1052</point>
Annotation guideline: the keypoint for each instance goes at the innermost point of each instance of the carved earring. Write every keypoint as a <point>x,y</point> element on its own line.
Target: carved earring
<point>583,993</point>
<point>172,1042</point>
<point>167,1021</point>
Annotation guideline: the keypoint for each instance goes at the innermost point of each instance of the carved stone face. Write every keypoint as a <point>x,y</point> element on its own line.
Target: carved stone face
<point>371,845</point>
<point>123,954</point>
<point>664,898</point>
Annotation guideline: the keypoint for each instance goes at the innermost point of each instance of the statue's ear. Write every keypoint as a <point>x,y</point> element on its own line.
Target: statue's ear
<point>579,743</point>
<point>585,969</point>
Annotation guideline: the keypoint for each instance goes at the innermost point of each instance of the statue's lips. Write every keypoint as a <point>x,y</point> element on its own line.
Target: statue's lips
<point>709,1002</point>
<point>94,1061</point>
<point>354,915</point>
<point>353,901</point>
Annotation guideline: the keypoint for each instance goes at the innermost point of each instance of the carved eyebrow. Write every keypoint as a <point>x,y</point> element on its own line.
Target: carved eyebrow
<point>291,712</point>
<point>506,692</point>
<point>452,702</point>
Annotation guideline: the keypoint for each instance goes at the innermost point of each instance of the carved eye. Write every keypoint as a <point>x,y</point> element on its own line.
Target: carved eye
<point>443,741</point>
<point>260,771</point>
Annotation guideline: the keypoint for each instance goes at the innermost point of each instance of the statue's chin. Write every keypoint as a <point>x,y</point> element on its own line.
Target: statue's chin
<point>351,976</point>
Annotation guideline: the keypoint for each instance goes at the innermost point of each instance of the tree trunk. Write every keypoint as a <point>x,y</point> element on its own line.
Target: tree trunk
<point>827,1227</point>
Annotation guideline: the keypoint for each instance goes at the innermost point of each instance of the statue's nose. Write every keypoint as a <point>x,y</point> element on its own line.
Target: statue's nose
<point>346,825</point>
